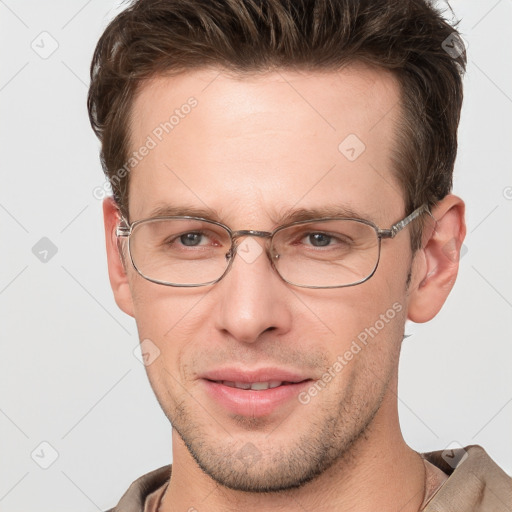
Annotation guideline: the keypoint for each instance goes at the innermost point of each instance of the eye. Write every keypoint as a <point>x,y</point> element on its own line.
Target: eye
<point>191,239</point>
<point>319,239</point>
<point>322,239</point>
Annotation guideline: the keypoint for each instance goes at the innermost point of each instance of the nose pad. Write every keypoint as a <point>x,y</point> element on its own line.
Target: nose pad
<point>231,253</point>
<point>272,255</point>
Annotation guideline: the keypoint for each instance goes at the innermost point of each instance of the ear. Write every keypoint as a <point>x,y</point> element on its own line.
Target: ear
<point>116,261</point>
<point>436,263</point>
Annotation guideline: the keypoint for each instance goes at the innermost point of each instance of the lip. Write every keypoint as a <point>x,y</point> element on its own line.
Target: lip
<point>257,375</point>
<point>250,402</point>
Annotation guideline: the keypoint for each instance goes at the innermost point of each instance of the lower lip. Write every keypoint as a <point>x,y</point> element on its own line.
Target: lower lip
<point>246,402</point>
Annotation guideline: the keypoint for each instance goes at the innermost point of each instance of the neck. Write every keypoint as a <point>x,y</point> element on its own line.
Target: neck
<point>380,472</point>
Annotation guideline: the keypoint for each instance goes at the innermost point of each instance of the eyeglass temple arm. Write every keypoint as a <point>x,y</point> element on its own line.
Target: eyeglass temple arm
<point>396,228</point>
<point>123,228</point>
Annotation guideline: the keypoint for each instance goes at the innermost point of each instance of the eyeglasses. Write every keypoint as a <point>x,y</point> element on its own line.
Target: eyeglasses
<point>188,251</point>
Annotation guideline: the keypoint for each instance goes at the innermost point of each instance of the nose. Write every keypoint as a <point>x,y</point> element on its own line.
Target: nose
<point>252,298</point>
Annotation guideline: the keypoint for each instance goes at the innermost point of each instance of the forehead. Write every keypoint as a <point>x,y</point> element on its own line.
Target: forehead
<point>265,142</point>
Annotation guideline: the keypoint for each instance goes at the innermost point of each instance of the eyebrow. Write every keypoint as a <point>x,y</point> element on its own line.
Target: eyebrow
<point>184,211</point>
<point>286,216</point>
<point>303,214</point>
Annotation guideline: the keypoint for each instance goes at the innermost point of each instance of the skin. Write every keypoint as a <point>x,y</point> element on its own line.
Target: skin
<point>253,149</point>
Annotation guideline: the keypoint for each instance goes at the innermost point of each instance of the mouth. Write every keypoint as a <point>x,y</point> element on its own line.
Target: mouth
<point>256,386</point>
<point>254,394</point>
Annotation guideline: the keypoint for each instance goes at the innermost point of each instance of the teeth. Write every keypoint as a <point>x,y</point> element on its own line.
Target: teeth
<point>255,386</point>
<point>259,386</point>
<point>242,385</point>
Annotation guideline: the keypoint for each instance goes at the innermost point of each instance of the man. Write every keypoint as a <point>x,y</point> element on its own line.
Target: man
<point>281,175</point>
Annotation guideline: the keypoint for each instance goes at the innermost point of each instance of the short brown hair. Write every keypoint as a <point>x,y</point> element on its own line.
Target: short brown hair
<point>408,37</point>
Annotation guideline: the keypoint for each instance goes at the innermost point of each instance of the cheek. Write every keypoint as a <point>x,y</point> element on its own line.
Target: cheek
<point>368,351</point>
<point>357,332</point>
<point>157,307</point>
<point>395,263</point>
<point>171,318</point>
<point>171,326</point>
<point>346,312</point>
<point>374,320</point>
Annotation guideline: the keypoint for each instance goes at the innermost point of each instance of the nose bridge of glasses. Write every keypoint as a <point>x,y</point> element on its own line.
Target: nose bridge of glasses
<point>236,235</point>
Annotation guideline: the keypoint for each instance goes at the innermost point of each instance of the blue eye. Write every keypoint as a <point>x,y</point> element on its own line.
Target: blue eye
<point>191,239</point>
<point>319,239</point>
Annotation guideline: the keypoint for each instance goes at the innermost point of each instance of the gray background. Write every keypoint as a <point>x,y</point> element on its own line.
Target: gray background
<point>69,376</point>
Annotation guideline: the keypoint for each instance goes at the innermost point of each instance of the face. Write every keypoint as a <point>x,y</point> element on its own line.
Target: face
<point>251,151</point>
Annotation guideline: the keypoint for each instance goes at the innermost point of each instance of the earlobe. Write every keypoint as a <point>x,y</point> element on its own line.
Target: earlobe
<point>436,264</point>
<point>116,265</point>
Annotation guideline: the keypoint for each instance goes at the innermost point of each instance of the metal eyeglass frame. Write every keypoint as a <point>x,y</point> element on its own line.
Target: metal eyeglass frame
<point>124,231</point>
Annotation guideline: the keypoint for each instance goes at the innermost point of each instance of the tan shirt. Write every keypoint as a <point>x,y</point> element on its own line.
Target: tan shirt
<point>470,482</point>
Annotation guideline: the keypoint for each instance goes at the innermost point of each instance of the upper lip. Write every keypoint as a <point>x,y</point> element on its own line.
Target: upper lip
<point>255,375</point>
